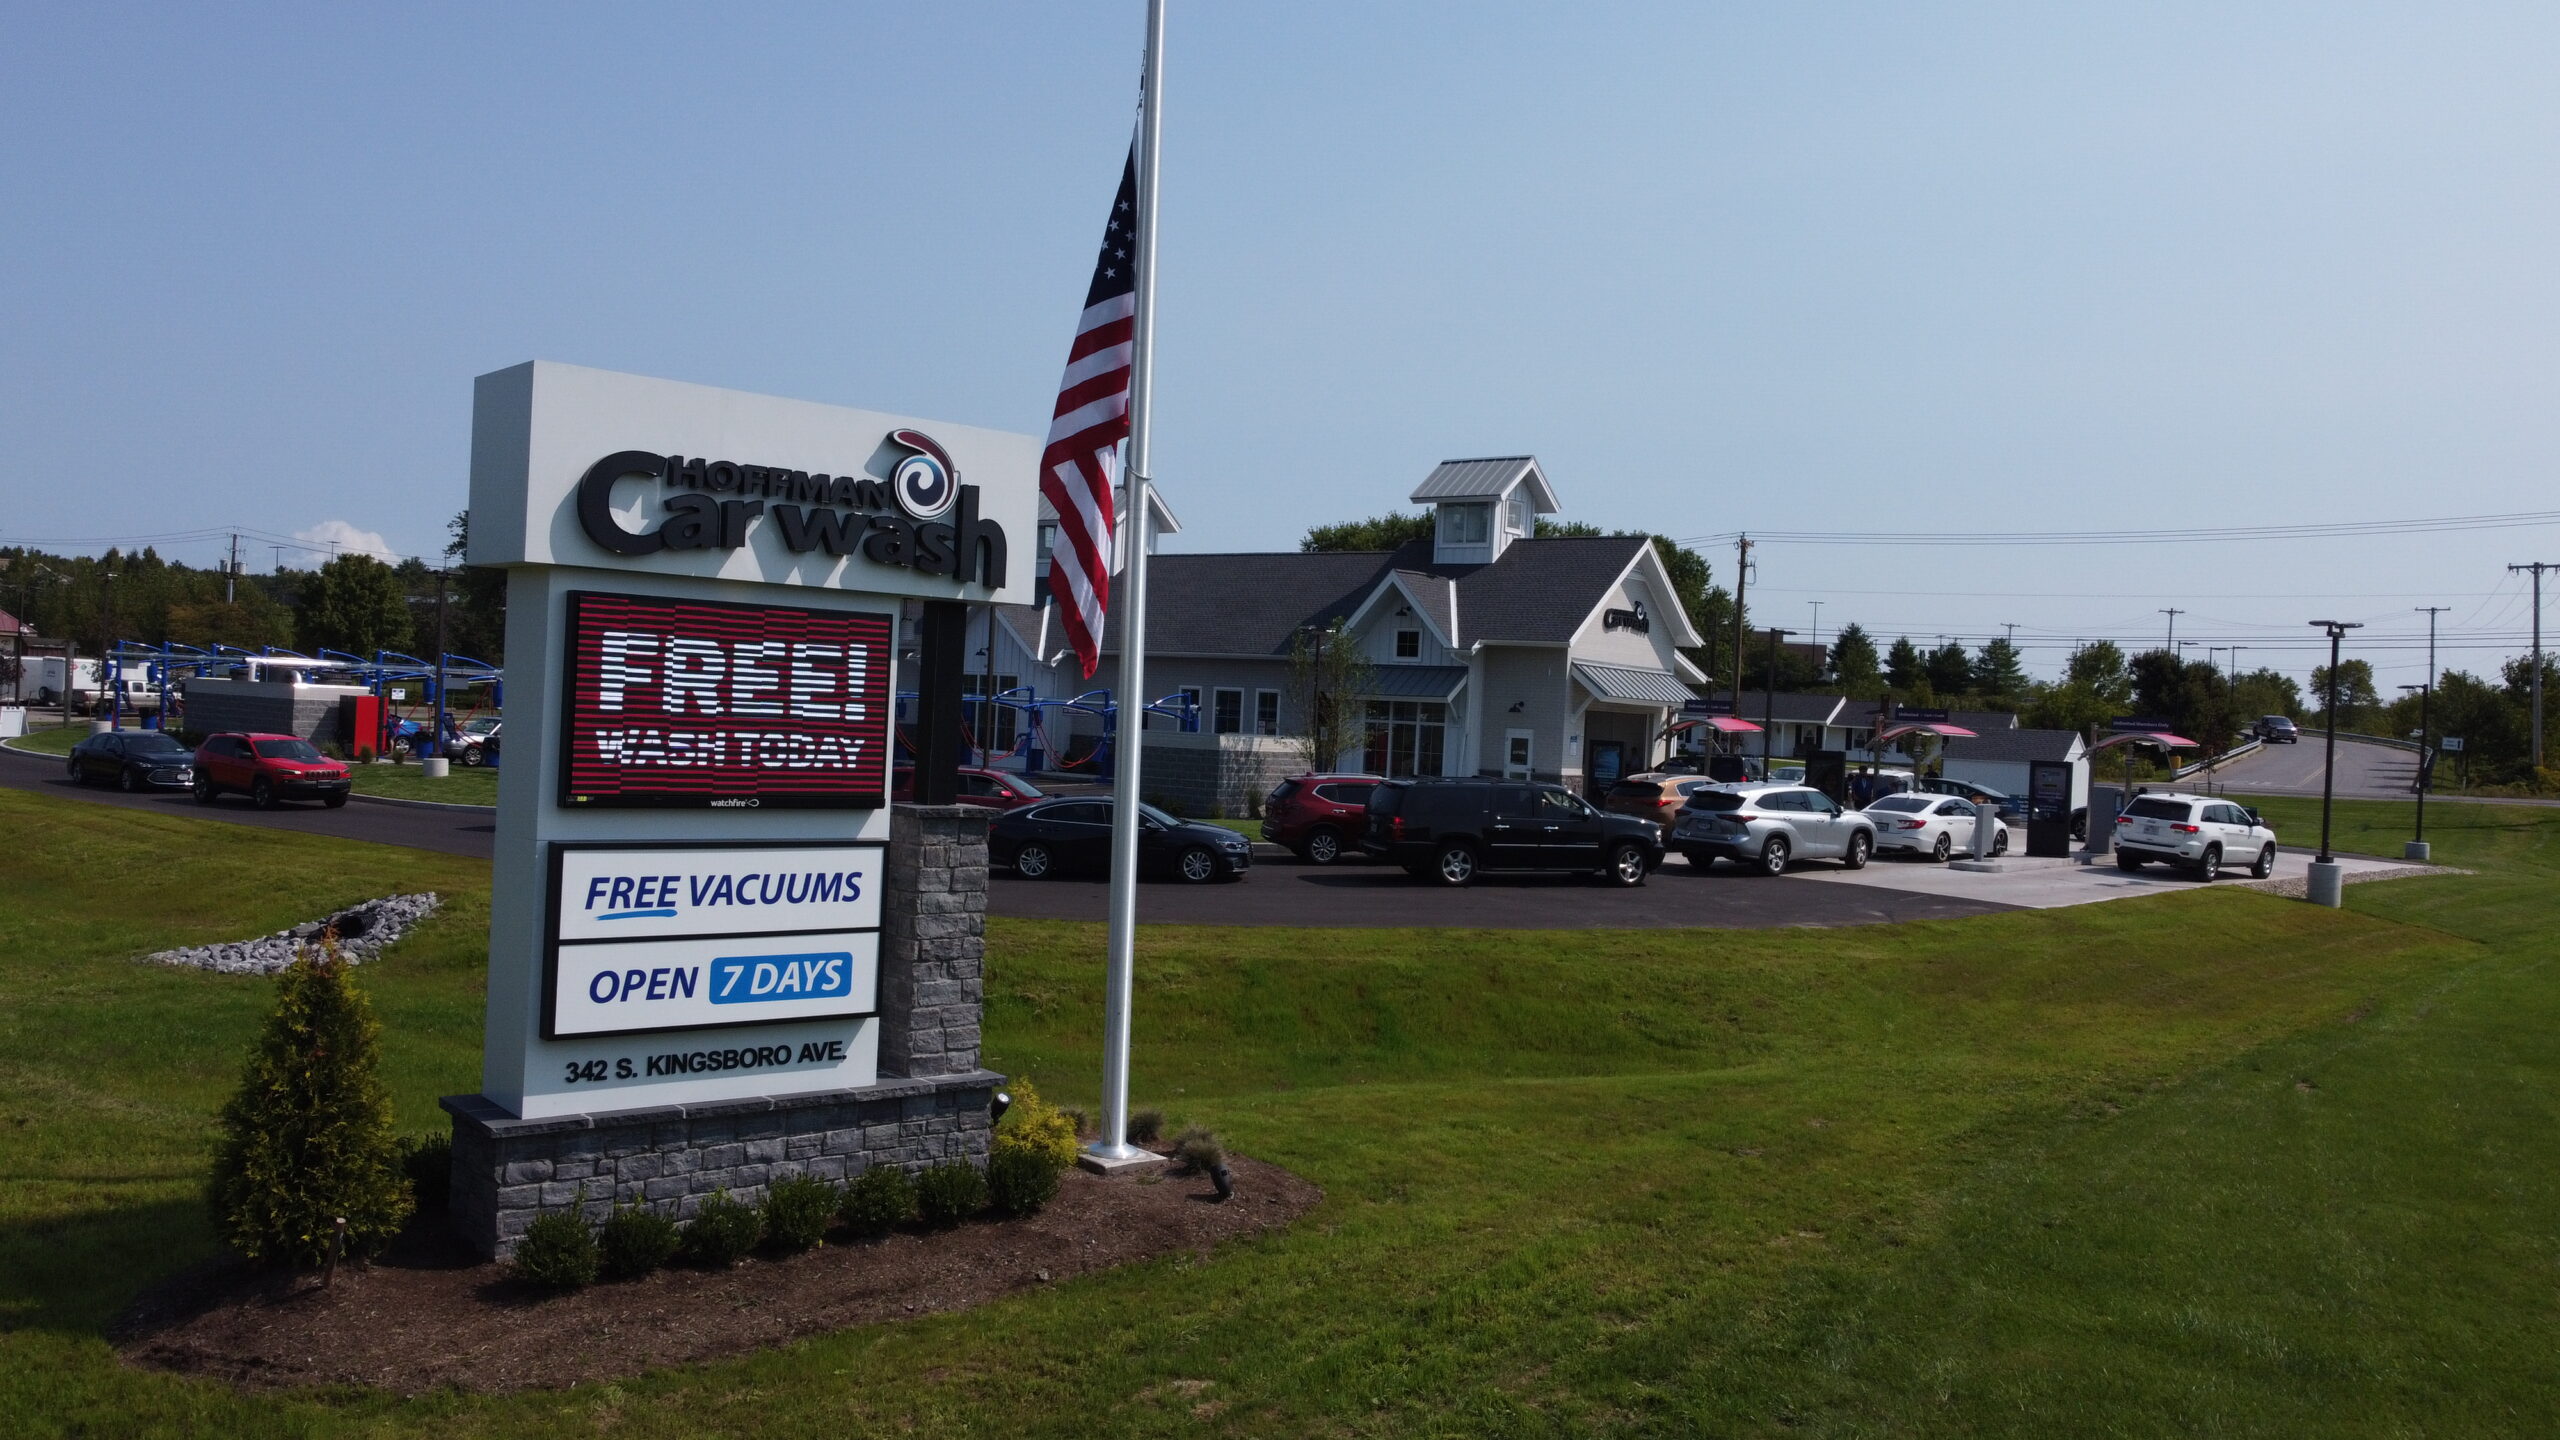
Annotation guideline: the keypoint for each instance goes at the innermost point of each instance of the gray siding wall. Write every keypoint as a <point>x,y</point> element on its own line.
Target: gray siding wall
<point>1221,776</point>
<point>1534,678</point>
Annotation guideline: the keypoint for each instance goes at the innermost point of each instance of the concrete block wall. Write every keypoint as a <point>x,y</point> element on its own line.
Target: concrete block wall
<point>507,1171</point>
<point>1201,774</point>
<point>933,948</point>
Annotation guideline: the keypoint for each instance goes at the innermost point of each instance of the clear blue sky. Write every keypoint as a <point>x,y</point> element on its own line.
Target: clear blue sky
<point>1719,266</point>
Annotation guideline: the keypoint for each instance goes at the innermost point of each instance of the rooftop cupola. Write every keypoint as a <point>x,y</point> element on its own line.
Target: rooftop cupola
<point>1480,506</point>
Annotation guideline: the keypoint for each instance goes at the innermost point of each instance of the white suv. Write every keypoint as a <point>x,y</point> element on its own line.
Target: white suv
<point>2197,831</point>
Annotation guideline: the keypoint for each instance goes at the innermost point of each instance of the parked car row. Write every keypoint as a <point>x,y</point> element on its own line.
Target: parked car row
<point>269,769</point>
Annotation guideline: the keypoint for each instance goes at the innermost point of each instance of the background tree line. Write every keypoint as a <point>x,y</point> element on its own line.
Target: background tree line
<point>351,603</point>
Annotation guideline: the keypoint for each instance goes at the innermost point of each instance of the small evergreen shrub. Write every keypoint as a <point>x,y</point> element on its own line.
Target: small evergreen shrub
<point>558,1251</point>
<point>796,1211</point>
<point>1077,1117</point>
<point>722,1232</point>
<point>307,1138</point>
<point>1036,1125</point>
<point>1146,1127</point>
<point>1020,1181</point>
<point>428,1162</point>
<point>1197,1148</point>
<point>879,1200</point>
<point>637,1240</point>
<point>949,1193</point>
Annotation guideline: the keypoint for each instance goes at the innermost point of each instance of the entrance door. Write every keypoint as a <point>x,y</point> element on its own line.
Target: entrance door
<point>1517,754</point>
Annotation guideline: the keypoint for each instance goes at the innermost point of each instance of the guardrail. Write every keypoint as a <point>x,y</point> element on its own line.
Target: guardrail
<point>2226,757</point>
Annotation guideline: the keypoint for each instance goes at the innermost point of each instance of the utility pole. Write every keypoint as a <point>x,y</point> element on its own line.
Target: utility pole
<point>1741,578</point>
<point>1817,620</point>
<point>2173,613</point>
<point>443,713</point>
<point>231,574</point>
<point>2537,567</point>
<point>2012,627</point>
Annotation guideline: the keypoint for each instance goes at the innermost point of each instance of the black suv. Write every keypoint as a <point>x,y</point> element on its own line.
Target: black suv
<point>1452,830</point>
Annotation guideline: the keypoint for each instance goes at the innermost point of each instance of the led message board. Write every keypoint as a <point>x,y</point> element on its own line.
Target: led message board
<point>703,704</point>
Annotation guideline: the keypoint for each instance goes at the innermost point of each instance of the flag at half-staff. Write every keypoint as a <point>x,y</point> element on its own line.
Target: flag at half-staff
<point>1080,465</point>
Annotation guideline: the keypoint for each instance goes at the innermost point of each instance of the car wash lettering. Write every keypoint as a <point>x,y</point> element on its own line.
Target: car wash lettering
<point>720,504</point>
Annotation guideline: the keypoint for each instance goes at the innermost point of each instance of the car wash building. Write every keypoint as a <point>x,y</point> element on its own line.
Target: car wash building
<point>1490,650</point>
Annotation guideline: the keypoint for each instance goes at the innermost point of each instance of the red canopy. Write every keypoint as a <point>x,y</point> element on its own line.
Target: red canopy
<point>2161,738</point>
<point>1721,724</point>
<point>1939,728</point>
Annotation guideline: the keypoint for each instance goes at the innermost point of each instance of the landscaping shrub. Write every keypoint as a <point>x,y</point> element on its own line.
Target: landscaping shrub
<point>1198,1149</point>
<point>1035,1125</point>
<point>722,1231</point>
<point>950,1193</point>
<point>637,1240</point>
<point>428,1162</point>
<point>1021,1180</point>
<point>1146,1127</point>
<point>558,1251</point>
<point>307,1138</point>
<point>796,1210</point>
<point>879,1200</point>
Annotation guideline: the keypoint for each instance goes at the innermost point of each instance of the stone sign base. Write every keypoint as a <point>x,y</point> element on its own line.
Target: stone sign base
<point>506,1171</point>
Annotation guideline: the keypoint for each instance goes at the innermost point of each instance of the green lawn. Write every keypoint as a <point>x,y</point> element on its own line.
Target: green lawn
<point>2204,1163</point>
<point>460,786</point>
<point>54,740</point>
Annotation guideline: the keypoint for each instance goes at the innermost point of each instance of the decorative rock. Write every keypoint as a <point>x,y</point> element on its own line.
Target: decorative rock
<point>364,931</point>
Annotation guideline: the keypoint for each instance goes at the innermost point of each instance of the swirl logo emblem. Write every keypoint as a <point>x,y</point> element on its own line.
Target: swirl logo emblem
<point>926,482</point>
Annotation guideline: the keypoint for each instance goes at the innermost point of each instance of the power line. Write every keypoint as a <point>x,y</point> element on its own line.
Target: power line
<point>2316,531</point>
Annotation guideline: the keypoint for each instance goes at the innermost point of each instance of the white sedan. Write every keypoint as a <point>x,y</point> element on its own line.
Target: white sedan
<point>1938,826</point>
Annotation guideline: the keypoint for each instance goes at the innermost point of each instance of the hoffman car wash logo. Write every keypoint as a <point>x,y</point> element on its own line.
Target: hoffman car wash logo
<point>921,517</point>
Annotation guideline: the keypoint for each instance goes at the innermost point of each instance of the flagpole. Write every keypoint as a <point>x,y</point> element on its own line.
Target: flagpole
<point>1127,749</point>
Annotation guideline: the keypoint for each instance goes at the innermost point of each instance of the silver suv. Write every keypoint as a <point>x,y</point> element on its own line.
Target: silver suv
<point>1768,826</point>
<point>2197,831</point>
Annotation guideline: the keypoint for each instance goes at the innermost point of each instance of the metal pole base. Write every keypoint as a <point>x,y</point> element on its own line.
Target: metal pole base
<point>2328,884</point>
<point>2416,850</point>
<point>435,767</point>
<point>1130,1161</point>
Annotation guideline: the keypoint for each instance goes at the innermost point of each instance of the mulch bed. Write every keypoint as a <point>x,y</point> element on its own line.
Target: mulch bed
<point>423,1317</point>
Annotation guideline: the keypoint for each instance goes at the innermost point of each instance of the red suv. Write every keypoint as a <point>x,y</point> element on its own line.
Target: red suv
<point>268,768</point>
<point>990,789</point>
<point>1320,817</point>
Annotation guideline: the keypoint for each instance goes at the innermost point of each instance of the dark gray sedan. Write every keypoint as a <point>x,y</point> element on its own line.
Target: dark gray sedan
<point>134,760</point>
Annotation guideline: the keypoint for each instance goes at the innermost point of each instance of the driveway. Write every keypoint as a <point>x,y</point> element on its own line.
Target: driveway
<point>2365,771</point>
<point>454,832</point>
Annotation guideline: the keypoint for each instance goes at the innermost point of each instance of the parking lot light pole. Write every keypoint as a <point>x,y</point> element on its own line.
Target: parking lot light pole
<point>1769,699</point>
<point>2328,881</point>
<point>2416,849</point>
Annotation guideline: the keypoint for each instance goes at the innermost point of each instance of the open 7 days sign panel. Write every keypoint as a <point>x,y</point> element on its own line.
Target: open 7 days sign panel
<point>697,937</point>
<point>697,704</point>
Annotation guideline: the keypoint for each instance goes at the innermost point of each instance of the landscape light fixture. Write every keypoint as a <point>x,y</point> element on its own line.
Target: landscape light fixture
<point>2325,879</point>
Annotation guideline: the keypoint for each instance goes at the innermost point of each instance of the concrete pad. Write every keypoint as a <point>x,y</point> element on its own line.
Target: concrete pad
<point>2035,882</point>
<point>1143,1163</point>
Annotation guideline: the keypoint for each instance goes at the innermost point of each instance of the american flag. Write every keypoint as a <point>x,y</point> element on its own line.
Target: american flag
<point>1082,459</point>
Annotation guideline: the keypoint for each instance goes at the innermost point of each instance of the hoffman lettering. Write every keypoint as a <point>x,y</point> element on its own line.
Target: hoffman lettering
<point>718,504</point>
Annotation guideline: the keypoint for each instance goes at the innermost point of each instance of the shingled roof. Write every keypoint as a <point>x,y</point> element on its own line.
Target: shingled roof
<point>1254,603</point>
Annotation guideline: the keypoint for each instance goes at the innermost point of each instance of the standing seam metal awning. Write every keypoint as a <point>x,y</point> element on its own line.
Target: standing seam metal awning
<point>1416,682</point>
<point>1621,682</point>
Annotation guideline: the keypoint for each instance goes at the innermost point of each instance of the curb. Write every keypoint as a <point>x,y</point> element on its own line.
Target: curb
<point>419,804</point>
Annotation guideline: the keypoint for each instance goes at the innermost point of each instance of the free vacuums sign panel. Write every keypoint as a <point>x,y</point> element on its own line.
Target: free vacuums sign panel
<point>696,704</point>
<point>702,937</point>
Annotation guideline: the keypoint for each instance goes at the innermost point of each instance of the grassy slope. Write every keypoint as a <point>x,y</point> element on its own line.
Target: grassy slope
<point>2206,1162</point>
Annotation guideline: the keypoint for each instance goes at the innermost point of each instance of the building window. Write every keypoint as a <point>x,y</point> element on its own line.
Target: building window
<point>1048,536</point>
<point>1463,524</point>
<point>1190,707</point>
<point>1408,644</point>
<point>993,729</point>
<point>1226,713</point>
<point>1406,737</point>
<point>1519,513</point>
<point>1266,712</point>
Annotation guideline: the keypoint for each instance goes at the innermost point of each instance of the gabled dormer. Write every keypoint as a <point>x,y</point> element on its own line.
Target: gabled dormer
<point>1480,506</point>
